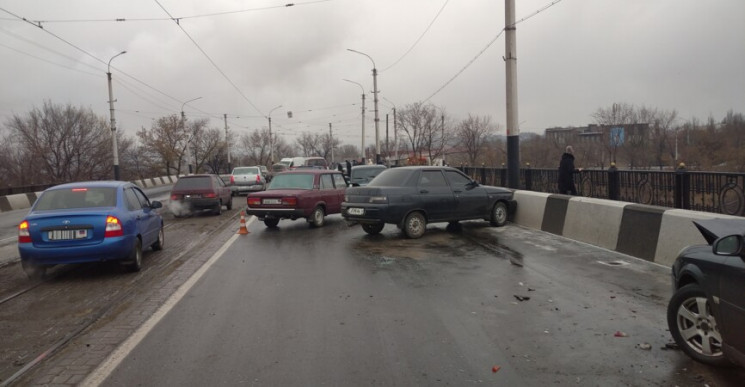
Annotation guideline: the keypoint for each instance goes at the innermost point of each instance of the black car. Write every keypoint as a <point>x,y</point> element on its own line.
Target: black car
<point>411,197</point>
<point>363,174</point>
<point>706,314</point>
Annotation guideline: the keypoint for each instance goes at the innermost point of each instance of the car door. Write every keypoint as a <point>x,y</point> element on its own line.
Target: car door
<point>732,303</point>
<point>470,200</point>
<point>435,195</point>
<point>329,193</point>
<point>142,215</point>
<point>223,191</point>
<point>340,186</point>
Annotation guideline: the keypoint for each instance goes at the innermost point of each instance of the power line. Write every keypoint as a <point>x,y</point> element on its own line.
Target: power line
<point>420,37</point>
<point>487,47</point>
<point>209,59</point>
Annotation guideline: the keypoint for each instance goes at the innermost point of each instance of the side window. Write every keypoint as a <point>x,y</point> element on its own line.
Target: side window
<point>432,179</point>
<point>144,201</point>
<point>218,182</point>
<point>327,182</point>
<point>457,179</point>
<point>339,180</point>
<point>130,198</point>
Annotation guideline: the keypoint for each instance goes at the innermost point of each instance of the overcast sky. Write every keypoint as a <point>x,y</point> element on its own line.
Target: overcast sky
<point>246,57</point>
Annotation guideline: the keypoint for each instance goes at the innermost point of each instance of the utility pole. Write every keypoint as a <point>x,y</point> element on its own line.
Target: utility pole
<point>191,138</point>
<point>113,120</point>
<point>362,146</point>
<point>331,143</point>
<point>387,149</point>
<point>395,134</point>
<point>513,131</point>
<point>227,143</point>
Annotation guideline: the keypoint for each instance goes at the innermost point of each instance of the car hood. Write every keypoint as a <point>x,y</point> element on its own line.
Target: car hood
<point>713,229</point>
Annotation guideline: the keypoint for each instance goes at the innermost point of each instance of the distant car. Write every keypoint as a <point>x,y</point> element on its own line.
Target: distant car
<point>305,162</point>
<point>199,192</point>
<point>706,314</point>
<point>363,174</point>
<point>411,197</point>
<point>277,168</point>
<point>89,221</point>
<point>247,179</point>
<point>303,193</point>
<point>265,173</point>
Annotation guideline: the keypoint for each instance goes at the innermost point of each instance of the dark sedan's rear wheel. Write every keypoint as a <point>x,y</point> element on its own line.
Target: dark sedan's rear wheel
<point>373,229</point>
<point>158,245</point>
<point>694,327</point>
<point>317,217</point>
<point>498,214</point>
<point>414,225</point>
<point>271,222</point>
<point>134,263</point>
<point>229,205</point>
<point>33,271</point>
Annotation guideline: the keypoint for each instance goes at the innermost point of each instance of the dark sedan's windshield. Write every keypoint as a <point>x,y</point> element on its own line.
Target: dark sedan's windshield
<point>292,181</point>
<point>391,178</point>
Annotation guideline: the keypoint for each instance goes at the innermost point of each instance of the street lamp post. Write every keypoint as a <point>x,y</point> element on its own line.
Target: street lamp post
<point>395,131</point>
<point>183,127</point>
<point>113,120</point>
<point>362,149</point>
<point>271,143</point>
<point>375,101</point>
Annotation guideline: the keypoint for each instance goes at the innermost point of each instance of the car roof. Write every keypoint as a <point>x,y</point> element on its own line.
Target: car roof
<point>374,166</point>
<point>314,171</point>
<point>199,175</point>
<point>92,184</point>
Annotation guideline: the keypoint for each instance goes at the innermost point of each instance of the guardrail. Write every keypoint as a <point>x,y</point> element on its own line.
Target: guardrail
<point>717,192</point>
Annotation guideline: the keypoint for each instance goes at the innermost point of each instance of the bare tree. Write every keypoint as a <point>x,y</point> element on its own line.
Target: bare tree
<point>165,144</point>
<point>423,130</point>
<point>472,134</point>
<point>65,143</point>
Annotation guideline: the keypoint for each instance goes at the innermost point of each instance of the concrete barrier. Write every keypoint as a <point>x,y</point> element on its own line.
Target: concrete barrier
<point>656,234</point>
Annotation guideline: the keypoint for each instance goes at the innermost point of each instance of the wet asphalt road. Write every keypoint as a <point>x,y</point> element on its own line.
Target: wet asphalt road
<point>333,306</point>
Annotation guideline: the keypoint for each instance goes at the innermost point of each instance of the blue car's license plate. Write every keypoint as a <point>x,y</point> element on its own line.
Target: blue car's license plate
<point>58,235</point>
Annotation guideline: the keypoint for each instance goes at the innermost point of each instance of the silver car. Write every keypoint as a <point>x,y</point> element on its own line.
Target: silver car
<point>247,179</point>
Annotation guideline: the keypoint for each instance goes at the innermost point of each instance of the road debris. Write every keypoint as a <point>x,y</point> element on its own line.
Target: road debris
<point>620,334</point>
<point>522,298</point>
<point>644,346</point>
<point>495,369</point>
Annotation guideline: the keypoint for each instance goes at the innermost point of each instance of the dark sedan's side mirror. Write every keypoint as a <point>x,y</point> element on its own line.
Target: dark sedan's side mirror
<point>472,184</point>
<point>156,204</point>
<point>728,245</point>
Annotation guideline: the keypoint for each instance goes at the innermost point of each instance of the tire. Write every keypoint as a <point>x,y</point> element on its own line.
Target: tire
<point>693,326</point>
<point>229,206</point>
<point>414,225</point>
<point>134,263</point>
<point>158,245</point>
<point>317,217</point>
<point>34,272</point>
<point>373,229</point>
<point>218,209</point>
<point>271,222</point>
<point>498,214</point>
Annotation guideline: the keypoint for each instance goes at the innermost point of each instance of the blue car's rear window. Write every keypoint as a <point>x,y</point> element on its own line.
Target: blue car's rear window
<point>59,199</point>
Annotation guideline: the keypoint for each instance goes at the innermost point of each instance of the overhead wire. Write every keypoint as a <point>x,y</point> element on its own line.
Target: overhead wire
<point>418,39</point>
<point>549,5</point>
<point>240,92</point>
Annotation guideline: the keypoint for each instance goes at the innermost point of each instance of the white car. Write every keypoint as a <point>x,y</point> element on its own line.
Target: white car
<point>247,179</point>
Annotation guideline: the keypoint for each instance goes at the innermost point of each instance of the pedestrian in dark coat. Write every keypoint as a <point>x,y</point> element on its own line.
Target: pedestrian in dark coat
<point>349,168</point>
<point>566,172</point>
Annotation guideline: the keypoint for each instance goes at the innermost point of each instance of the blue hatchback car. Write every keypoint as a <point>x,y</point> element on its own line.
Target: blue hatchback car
<point>91,221</point>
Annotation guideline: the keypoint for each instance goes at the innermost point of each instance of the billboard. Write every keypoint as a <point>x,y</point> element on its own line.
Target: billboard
<point>616,136</point>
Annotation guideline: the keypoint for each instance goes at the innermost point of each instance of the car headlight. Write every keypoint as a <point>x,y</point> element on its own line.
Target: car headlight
<point>378,199</point>
<point>346,198</point>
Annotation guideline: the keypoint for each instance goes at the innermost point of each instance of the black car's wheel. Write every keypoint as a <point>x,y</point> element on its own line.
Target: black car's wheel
<point>229,205</point>
<point>134,264</point>
<point>158,245</point>
<point>271,222</point>
<point>373,229</point>
<point>218,208</point>
<point>317,217</point>
<point>414,225</point>
<point>498,214</point>
<point>34,272</point>
<point>694,327</point>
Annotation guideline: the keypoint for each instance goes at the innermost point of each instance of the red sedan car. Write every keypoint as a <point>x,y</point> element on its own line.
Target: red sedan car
<point>302,193</point>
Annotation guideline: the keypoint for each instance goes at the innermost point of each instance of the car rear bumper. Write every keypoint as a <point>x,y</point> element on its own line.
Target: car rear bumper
<point>247,188</point>
<point>281,213</point>
<point>373,214</point>
<point>200,204</point>
<point>111,249</point>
